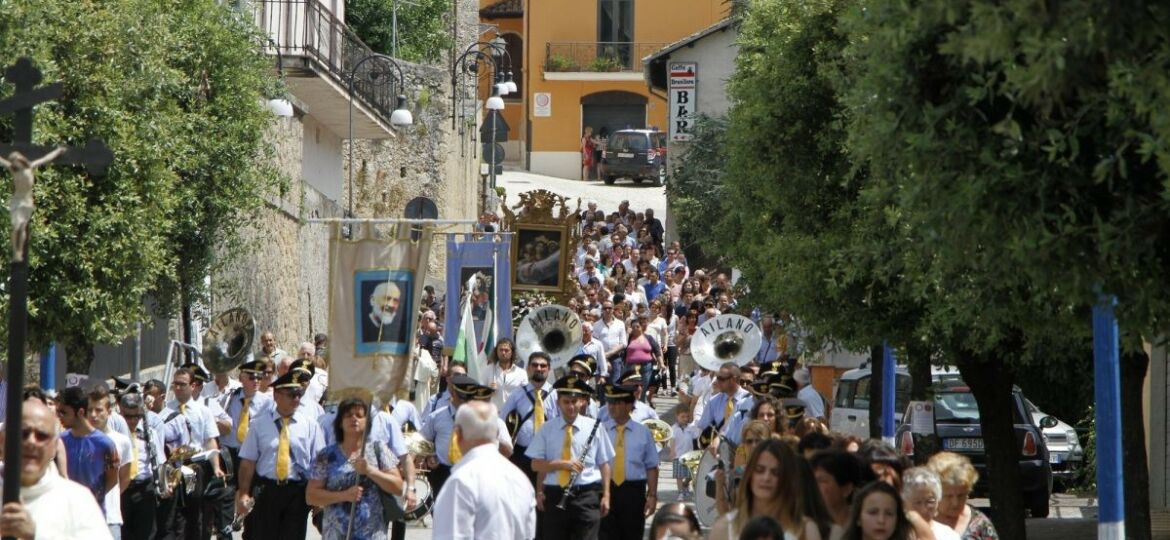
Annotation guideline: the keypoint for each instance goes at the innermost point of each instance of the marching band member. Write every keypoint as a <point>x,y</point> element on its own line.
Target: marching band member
<point>189,521</point>
<point>140,498</point>
<point>439,427</point>
<point>632,377</point>
<point>634,469</point>
<point>585,366</point>
<point>274,464</point>
<point>522,414</point>
<point>244,403</point>
<point>311,408</point>
<point>717,414</point>
<point>567,446</point>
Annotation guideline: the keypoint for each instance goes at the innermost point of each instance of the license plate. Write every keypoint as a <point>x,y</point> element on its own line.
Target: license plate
<point>1056,457</point>
<point>625,154</point>
<point>963,444</point>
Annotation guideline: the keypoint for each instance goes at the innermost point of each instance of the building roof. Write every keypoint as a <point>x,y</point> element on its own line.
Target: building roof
<point>503,9</point>
<point>655,63</point>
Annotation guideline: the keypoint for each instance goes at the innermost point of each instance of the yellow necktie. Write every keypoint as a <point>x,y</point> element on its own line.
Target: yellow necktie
<point>453,453</point>
<point>619,460</point>
<point>134,454</point>
<point>183,409</point>
<point>567,455</point>
<point>282,452</point>
<point>538,414</point>
<point>242,429</point>
<point>727,412</point>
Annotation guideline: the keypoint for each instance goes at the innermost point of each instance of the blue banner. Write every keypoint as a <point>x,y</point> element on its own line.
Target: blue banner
<point>491,257</point>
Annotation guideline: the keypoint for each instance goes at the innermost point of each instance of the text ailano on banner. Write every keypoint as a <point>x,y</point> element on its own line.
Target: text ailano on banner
<point>683,93</point>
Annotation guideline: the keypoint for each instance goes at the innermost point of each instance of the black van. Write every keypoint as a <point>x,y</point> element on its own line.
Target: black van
<point>638,154</point>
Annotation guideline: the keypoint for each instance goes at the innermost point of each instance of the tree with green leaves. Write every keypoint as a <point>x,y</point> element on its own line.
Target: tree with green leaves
<point>175,88</point>
<point>1031,144</point>
<point>424,27</point>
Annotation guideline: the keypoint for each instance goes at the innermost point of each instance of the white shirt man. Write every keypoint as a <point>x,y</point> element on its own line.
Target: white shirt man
<point>486,497</point>
<point>814,404</point>
<point>51,506</point>
<point>594,348</point>
<point>611,332</point>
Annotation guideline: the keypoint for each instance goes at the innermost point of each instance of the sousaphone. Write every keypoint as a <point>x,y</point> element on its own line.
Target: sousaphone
<point>553,329</point>
<point>726,338</point>
<point>228,340</point>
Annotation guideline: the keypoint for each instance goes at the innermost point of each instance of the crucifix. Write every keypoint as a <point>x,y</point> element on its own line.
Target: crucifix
<point>22,158</point>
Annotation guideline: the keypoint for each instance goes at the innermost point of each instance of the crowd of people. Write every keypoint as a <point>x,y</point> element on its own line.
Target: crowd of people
<point>527,451</point>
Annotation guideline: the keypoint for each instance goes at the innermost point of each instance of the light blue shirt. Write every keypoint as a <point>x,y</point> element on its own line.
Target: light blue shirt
<point>173,433</point>
<point>383,427</point>
<point>713,413</point>
<point>739,418</point>
<point>305,442</point>
<point>641,453</point>
<point>200,422</point>
<point>522,402</point>
<point>403,411</point>
<point>235,408</point>
<point>439,425</point>
<point>436,403</point>
<point>117,423</point>
<point>549,445</point>
<point>641,413</point>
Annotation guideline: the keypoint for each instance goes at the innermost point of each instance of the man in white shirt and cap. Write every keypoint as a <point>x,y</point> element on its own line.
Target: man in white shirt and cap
<point>486,496</point>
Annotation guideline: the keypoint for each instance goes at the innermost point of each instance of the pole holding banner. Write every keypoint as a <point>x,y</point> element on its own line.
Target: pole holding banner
<point>1107,393</point>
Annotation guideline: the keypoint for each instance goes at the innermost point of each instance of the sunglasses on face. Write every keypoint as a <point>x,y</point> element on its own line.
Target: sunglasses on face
<point>722,377</point>
<point>37,435</point>
<point>252,376</point>
<point>131,416</point>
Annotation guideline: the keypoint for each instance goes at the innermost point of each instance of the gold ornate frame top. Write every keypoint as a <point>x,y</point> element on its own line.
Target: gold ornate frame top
<point>545,210</point>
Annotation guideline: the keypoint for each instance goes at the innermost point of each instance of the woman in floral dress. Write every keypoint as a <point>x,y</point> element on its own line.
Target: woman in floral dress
<point>344,475</point>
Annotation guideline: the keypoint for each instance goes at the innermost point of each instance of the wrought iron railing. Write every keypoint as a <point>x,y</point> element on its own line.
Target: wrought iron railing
<point>597,57</point>
<point>308,29</point>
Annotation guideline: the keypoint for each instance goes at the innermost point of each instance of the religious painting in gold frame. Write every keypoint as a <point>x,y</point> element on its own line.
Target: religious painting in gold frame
<point>544,240</point>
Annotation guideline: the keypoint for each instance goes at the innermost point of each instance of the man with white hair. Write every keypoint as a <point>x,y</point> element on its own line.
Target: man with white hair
<point>320,381</point>
<point>386,321</point>
<point>486,497</point>
<point>814,404</point>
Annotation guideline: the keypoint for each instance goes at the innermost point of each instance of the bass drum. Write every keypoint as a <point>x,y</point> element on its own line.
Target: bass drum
<point>705,508</point>
<point>426,500</point>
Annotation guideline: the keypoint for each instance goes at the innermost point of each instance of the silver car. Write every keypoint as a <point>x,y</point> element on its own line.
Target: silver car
<point>1065,452</point>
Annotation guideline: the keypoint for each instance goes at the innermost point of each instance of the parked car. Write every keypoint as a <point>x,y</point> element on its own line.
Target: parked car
<point>956,429</point>
<point>851,397</point>
<point>638,154</point>
<point>1065,453</point>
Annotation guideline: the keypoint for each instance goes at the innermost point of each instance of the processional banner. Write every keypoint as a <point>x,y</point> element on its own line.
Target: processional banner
<point>376,279</point>
<point>487,255</point>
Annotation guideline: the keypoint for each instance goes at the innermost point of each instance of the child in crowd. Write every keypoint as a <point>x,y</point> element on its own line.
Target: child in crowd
<point>685,434</point>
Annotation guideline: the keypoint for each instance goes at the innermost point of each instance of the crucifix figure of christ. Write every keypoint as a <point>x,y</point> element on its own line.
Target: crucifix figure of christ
<point>22,158</point>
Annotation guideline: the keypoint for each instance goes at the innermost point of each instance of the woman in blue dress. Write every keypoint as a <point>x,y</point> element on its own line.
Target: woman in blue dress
<point>334,481</point>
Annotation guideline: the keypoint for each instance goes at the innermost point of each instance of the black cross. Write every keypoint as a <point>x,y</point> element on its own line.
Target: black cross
<point>95,157</point>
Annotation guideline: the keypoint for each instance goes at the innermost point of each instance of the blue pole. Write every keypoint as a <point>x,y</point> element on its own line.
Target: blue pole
<point>49,368</point>
<point>1107,392</point>
<point>888,378</point>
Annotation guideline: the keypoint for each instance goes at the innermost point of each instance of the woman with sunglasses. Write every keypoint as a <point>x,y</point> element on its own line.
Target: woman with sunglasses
<point>675,521</point>
<point>772,486</point>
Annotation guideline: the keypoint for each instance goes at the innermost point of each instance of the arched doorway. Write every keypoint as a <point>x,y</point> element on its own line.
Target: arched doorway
<point>613,110</point>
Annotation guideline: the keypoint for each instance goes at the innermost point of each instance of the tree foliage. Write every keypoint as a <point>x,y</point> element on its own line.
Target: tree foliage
<point>175,89</point>
<point>424,27</point>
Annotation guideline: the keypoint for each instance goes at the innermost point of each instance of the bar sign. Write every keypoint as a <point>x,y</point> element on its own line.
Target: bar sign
<point>682,100</point>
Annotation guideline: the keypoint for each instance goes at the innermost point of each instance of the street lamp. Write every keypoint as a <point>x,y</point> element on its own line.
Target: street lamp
<point>399,118</point>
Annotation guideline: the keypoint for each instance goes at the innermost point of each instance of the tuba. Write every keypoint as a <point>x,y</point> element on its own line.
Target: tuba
<point>228,340</point>
<point>555,330</point>
<point>660,430</point>
<point>726,338</point>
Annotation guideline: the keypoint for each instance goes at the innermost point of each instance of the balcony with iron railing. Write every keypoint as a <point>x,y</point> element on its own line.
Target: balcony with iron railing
<point>317,52</point>
<point>596,60</point>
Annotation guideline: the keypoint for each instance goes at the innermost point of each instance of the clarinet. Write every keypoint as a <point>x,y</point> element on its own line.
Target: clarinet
<point>575,474</point>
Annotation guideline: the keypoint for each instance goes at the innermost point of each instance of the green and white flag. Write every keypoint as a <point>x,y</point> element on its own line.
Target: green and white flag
<point>466,350</point>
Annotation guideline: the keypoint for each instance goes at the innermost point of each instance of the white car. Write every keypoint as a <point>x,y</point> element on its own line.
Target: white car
<point>851,397</point>
<point>1065,452</point>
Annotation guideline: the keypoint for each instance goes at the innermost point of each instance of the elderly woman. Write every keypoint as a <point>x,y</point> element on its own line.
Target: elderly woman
<point>350,473</point>
<point>958,476</point>
<point>921,491</point>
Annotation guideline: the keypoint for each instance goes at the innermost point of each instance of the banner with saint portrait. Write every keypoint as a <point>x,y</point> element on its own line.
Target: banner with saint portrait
<point>487,256</point>
<point>376,279</point>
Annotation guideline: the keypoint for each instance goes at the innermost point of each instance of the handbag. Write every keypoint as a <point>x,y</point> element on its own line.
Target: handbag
<point>391,510</point>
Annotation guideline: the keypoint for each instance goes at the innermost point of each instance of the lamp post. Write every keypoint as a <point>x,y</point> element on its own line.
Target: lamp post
<point>399,118</point>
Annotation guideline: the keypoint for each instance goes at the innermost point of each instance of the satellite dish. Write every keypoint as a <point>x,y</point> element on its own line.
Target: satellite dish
<point>420,208</point>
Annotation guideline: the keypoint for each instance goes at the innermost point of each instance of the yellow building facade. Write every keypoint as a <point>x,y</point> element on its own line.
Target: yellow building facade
<point>578,63</point>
